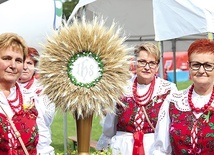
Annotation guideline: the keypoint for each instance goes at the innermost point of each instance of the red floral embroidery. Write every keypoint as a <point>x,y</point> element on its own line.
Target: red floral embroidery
<point>26,125</point>
<point>126,115</point>
<point>182,123</point>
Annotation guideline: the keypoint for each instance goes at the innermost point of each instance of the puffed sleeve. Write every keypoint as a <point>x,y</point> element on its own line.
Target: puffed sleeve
<point>173,88</point>
<point>109,130</point>
<point>43,146</point>
<point>47,109</point>
<point>161,145</point>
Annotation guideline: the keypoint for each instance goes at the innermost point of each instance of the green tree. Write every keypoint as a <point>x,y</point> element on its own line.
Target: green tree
<point>68,7</point>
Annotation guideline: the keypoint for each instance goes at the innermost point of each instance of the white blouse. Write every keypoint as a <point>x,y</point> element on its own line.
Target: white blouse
<point>43,146</point>
<point>122,142</point>
<point>162,144</point>
<point>47,111</point>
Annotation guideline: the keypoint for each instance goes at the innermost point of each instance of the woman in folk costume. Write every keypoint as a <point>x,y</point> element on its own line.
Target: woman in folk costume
<point>130,131</point>
<point>29,76</point>
<point>186,121</point>
<point>19,123</point>
<point>30,84</point>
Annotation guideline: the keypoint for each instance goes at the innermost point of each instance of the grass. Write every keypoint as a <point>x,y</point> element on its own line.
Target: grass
<point>183,85</point>
<point>58,130</point>
<point>58,127</point>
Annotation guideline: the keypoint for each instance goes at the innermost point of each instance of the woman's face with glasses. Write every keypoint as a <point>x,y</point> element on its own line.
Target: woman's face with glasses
<point>202,68</point>
<point>146,67</point>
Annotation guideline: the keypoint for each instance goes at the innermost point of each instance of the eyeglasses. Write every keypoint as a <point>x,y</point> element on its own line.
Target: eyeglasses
<point>194,65</point>
<point>143,63</point>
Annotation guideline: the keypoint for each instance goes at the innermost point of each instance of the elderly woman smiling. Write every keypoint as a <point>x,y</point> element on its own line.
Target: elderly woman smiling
<point>19,126</point>
<point>186,120</point>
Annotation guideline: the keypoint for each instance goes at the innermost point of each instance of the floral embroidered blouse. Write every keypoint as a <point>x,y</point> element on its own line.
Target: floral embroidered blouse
<point>47,110</point>
<point>26,125</point>
<point>181,131</point>
<point>126,115</point>
<point>26,120</point>
<point>125,119</point>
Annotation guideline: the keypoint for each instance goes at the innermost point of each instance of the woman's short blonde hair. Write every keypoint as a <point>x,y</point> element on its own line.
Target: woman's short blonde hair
<point>150,48</point>
<point>15,41</point>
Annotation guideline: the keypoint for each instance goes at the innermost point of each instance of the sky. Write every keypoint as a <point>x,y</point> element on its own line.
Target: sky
<point>34,20</point>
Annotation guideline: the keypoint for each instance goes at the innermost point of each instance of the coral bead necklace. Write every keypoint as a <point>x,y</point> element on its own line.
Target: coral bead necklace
<point>30,83</point>
<point>143,99</point>
<point>18,109</point>
<point>205,107</point>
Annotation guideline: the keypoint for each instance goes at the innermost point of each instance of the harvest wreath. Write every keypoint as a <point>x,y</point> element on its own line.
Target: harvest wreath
<point>85,67</point>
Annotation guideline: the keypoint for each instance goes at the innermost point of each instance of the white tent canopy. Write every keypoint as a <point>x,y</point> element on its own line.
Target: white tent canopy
<point>142,20</point>
<point>134,16</point>
<point>178,18</point>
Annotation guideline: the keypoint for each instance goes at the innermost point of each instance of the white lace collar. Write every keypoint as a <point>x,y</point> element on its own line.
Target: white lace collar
<point>180,99</point>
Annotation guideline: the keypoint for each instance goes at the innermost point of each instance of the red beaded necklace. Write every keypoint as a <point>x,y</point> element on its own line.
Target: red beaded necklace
<point>146,97</point>
<point>206,106</point>
<point>30,83</point>
<point>18,107</point>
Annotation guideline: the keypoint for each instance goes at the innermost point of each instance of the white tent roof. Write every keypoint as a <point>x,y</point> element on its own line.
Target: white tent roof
<point>178,18</point>
<point>134,16</point>
<point>151,20</point>
<point>156,19</point>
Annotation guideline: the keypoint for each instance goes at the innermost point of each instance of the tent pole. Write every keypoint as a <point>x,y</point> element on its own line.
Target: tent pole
<point>174,59</point>
<point>161,70</point>
<point>65,132</point>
